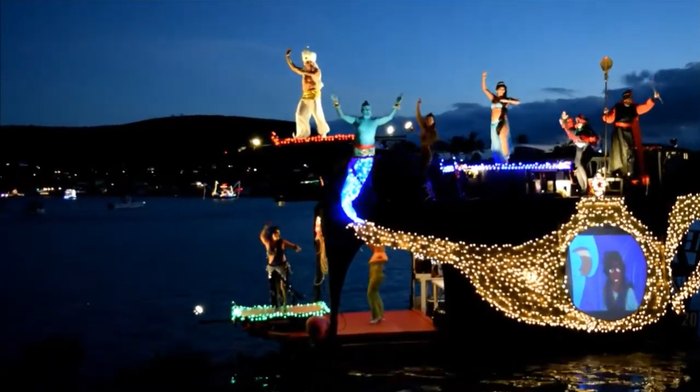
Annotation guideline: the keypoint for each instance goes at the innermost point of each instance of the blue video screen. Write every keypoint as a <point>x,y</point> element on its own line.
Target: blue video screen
<point>607,273</point>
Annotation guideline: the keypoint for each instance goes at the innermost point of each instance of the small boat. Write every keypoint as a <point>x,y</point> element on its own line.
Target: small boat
<point>70,194</point>
<point>419,323</point>
<point>12,193</point>
<point>224,191</point>
<point>126,204</point>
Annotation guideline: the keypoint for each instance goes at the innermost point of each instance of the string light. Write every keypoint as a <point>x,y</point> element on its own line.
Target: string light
<point>358,171</point>
<point>683,214</point>
<point>511,166</point>
<point>259,313</point>
<point>528,282</point>
<point>311,139</point>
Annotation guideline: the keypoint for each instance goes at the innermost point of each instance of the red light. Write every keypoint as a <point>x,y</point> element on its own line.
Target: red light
<point>313,139</point>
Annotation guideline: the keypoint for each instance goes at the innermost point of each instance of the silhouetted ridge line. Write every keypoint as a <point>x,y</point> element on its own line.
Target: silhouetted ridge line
<point>187,138</point>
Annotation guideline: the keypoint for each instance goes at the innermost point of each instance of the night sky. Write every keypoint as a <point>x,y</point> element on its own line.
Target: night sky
<point>84,63</point>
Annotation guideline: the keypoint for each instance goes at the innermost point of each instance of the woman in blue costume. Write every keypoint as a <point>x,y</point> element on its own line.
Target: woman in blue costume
<point>500,129</point>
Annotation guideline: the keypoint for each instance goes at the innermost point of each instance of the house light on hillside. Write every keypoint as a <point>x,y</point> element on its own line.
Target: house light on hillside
<point>255,142</point>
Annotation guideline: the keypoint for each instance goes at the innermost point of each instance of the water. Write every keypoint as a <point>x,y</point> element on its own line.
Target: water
<point>105,294</point>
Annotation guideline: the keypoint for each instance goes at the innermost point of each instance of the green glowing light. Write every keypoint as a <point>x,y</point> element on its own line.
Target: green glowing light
<point>260,313</point>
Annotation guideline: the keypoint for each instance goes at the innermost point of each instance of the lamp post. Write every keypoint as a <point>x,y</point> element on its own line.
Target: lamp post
<point>606,64</point>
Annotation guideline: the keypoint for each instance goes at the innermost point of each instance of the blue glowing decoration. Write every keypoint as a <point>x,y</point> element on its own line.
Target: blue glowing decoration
<point>519,166</point>
<point>358,171</point>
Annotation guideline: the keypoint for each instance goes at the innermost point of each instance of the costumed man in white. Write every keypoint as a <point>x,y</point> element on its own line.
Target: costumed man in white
<point>310,102</point>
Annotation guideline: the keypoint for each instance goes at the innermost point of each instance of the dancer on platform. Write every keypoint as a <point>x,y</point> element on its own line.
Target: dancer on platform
<point>277,265</point>
<point>376,277</point>
<point>310,102</point>
<point>584,138</point>
<point>361,163</point>
<point>626,152</point>
<point>500,128</point>
<point>428,136</point>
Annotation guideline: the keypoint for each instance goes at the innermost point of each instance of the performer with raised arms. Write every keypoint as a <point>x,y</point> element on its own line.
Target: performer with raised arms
<point>584,138</point>
<point>310,102</point>
<point>500,128</point>
<point>428,136</point>
<point>363,154</point>
<point>627,136</point>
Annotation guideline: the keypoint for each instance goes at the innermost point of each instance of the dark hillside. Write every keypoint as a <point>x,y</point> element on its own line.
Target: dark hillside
<point>181,139</point>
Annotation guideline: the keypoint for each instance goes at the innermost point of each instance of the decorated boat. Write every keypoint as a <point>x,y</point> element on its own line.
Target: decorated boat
<point>70,194</point>
<point>226,191</point>
<point>524,258</point>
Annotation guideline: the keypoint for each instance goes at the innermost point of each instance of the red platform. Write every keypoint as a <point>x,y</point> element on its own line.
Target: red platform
<point>398,325</point>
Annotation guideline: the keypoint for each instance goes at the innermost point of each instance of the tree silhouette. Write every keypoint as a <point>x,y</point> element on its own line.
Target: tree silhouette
<point>466,144</point>
<point>522,139</point>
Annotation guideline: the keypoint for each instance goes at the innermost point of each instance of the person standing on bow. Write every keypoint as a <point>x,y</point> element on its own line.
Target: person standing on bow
<point>376,277</point>
<point>362,160</point>
<point>310,102</point>
<point>626,152</point>
<point>584,138</point>
<point>321,260</point>
<point>428,136</point>
<point>500,128</point>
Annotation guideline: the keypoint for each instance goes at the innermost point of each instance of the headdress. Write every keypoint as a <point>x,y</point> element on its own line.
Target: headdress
<point>308,55</point>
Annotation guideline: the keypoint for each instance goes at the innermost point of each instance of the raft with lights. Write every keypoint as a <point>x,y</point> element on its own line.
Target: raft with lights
<point>267,320</point>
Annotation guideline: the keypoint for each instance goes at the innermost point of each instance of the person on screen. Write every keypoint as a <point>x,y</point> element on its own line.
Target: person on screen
<point>584,265</point>
<point>277,265</point>
<point>618,293</point>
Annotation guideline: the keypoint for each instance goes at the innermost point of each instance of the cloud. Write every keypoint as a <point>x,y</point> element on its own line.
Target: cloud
<point>559,91</point>
<point>677,117</point>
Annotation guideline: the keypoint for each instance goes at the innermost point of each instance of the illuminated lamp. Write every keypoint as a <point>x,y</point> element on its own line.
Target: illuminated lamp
<point>527,282</point>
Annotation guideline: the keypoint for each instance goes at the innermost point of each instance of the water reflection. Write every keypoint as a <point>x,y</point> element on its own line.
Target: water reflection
<point>629,372</point>
<point>623,372</point>
<point>678,371</point>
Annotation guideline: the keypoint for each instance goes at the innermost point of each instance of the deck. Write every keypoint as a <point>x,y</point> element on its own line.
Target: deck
<point>355,328</point>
